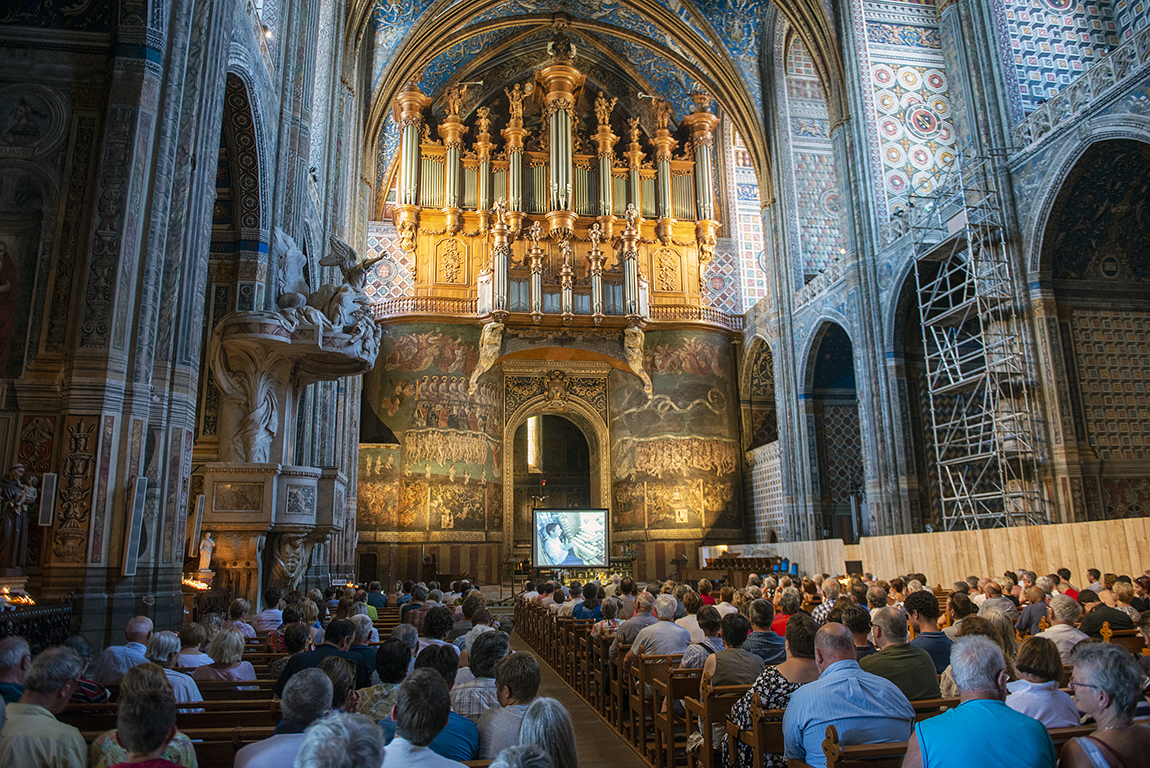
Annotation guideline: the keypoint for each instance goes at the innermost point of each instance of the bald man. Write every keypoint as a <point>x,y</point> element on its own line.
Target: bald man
<point>116,660</point>
<point>864,708</point>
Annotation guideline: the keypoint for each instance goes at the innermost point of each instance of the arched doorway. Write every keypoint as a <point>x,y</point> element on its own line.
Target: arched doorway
<point>1096,257</point>
<point>837,482</point>
<point>552,463</point>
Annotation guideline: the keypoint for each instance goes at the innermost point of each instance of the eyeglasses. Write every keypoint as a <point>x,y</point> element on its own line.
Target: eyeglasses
<point>1074,684</point>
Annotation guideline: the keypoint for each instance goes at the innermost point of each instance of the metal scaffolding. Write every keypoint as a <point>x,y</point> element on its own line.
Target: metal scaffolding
<point>977,354</point>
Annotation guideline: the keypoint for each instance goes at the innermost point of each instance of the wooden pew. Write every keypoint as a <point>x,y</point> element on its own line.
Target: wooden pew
<point>670,684</point>
<point>765,736</point>
<point>642,716</point>
<point>215,747</point>
<point>712,707</point>
<point>1130,639</point>
<point>618,686</point>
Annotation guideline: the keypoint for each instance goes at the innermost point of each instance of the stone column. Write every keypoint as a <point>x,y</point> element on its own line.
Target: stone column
<point>407,111</point>
<point>630,256</point>
<point>500,257</point>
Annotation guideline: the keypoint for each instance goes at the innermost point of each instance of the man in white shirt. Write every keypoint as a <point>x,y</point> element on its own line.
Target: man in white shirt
<point>118,659</point>
<point>422,709</point>
<point>529,592</point>
<point>724,607</point>
<point>306,698</point>
<point>164,649</point>
<point>612,585</point>
<point>576,599</point>
<point>1064,611</point>
<point>517,682</point>
<point>32,735</point>
<point>662,638</point>
<point>272,616</point>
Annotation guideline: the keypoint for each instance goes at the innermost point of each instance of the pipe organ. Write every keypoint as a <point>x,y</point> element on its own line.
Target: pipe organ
<point>550,224</point>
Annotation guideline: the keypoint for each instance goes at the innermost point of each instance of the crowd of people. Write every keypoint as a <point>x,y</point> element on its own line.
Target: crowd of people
<point>442,688</point>
<point>855,652</point>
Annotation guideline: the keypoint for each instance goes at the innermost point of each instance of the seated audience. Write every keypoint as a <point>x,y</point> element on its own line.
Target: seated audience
<point>238,611</point>
<point>468,607</point>
<point>1096,612</point>
<point>459,739</point>
<point>692,602</point>
<point>341,672</point>
<point>775,686</point>
<point>547,725</point>
<point>608,624</point>
<point>1141,600</point>
<point>517,681</point>
<point>409,635</point>
<point>272,614</point>
<point>979,625</point>
<point>627,598</point>
<point>726,600</point>
<point>525,756</point>
<point>575,599</point>
<point>375,596</point>
<point>361,638</point>
<point>15,660</point>
<point>867,709</point>
<point>1144,630</point>
<point>1033,613</point>
<point>643,618</point>
<point>361,597</point>
<point>228,651</point>
<point>830,589</point>
<point>107,749</point>
<point>437,624</point>
<point>392,659</point>
<point>1123,595</point>
<point>857,619</point>
<point>337,641</point>
<point>418,596</point>
<point>340,741</point>
<point>118,659</point>
<point>875,600</point>
<point>1005,738</point>
<point>473,697</point>
<point>1107,685</point>
<point>1005,636</point>
<point>589,609</point>
<point>909,668</point>
<point>313,619</point>
<point>483,622</point>
<point>922,614</point>
<point>145,725</point>
<point>296,639</point>
<point>1064,612</point>
<point>789,604</point>
<point>705,592</point>
<point>997,600</point>
<point>763,641</point>
<point>958,607</point>
<point>710,623</point>
<point>1035,692</point>
<point>306,700</point>
<point>192,637</point>
<point>32,736</point>
<point>422,710</point>
<point>164,650</point>
<point>87,691</point>
<point>662,638</point>
<point>293,614</point>
<point>733,665</point>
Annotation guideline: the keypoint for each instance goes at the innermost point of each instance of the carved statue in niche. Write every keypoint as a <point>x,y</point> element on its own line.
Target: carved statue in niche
<point>16,498</point>
<point>633,353</point>
<point>289,561</point>
<point>603,108</point>
<point>482,120</point>
<point>490,344</point>
<point>595,235</point>
<point>663,113</point>
<point>207,546</point>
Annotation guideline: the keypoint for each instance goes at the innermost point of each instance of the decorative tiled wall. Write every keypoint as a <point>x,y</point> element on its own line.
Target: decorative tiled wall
<point>840,449</point>
<point>721,281</point>
<point>1130,16</point>
<point>767,493</point>
<point>816,182</point>
<point>1111,350</point>
<point>1048,43</point>
<point>746,220</point>
<point>912,110</point>
<point>391,278</point>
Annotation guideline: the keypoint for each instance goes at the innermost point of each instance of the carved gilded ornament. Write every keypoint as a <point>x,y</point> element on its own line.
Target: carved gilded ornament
<point>667,270</point>
<point>451,261</point>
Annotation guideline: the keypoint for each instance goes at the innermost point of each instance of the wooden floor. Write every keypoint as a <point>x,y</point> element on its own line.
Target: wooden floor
<point>598,744</point>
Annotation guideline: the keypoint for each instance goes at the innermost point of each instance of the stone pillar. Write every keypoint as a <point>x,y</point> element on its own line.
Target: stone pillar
<point>500,258</point>
<point>451,130</point>
<point>407,110</point>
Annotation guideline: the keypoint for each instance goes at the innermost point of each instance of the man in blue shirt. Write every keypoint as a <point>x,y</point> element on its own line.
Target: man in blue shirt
<point>864,708</point>
<point>1005,737</point>
<point>922,613</point>
<point>375,596</point>
<point>459,740</point>
<point>763,641</point>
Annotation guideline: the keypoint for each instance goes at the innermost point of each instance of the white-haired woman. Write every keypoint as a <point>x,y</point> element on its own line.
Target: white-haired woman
<point>547,725</point>
<point>164,649</point>
<point>228,651</point>
<point>1107,684</point>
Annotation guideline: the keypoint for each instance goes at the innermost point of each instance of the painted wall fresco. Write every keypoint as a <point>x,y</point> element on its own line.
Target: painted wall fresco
<point>443,479</point>
<point>676,457</point>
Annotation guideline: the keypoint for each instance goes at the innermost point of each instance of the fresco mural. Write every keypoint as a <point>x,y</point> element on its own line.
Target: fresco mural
<point>676,455</point>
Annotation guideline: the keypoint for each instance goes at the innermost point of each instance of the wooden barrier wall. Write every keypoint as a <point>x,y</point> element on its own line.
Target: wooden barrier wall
<point>1111,546</point>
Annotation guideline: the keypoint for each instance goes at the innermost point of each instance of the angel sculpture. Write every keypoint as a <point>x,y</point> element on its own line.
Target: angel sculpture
<point>595,235</point>
<point>345,304</point>
<point>515,101</point>
<point>632,215</point>
<point>500,210</point>
<point>455,96</point>
<point>603,108</point>
<point>482,120</point>
<point>635,131</point>
<point>662,113</point>
<point>535,233</point>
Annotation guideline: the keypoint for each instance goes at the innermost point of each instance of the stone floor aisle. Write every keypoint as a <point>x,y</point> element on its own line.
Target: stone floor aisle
<point>598,743</point>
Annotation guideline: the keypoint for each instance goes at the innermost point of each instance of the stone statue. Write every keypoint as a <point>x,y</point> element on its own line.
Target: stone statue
<point>634,130</point>
<point>535,234</point>
<point>289,561</point>
<point>595,235</point>
<point>455,96</point>
<point>603,108</point>
<point>207,546</point>
<point>662,113</point>
<point>482,120</point>
<point>490,344</point>
<point>632,216</point>
<point>16,497</point>
<point>633,354</point>
<point>293,285</point>
<point>515,101</point>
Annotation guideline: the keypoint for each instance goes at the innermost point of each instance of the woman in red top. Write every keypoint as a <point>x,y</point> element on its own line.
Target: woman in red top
<point>789,605</point>
<point>705,592</point>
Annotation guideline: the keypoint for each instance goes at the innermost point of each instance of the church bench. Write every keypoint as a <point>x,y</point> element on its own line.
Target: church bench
<point>642,716</point>
<point>668,685</point>
<point>105,720</point>
<point>574,647</point>
<point>618,685</point>
<point>1130,639</point>
<point>764,737</point>
<point>599,661</point>
<point>711,707</point>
